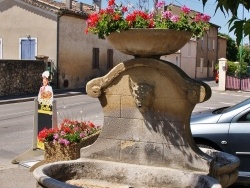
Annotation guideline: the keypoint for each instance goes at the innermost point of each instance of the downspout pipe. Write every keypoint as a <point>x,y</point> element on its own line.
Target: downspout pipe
<point>57,53</point>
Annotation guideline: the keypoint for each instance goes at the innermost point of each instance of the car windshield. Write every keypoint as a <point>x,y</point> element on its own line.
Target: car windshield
<point>239,105</point>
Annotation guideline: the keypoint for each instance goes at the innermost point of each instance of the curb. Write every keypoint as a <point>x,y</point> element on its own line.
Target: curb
<point>17,99</point>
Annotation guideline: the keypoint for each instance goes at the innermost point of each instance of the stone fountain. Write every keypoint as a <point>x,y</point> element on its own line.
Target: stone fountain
<point>146,139</point>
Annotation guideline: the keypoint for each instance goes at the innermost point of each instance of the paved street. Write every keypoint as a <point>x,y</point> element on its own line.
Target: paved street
<point>16,131</point>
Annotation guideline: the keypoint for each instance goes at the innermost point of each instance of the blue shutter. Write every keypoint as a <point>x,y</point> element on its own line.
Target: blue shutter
<point>32,49</point>
<point>28,49</point>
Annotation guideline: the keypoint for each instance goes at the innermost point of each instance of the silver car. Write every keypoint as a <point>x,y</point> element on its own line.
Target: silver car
<point>226,129</point>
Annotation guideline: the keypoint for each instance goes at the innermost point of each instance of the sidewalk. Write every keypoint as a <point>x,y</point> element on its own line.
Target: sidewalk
<point>30,97</point>
<point>15,175</point>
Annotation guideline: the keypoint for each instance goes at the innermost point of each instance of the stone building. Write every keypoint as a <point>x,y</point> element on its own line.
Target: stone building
<point>31,28</point>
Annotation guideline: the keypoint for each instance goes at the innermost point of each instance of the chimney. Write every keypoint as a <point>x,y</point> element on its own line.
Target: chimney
<point>69,4</point>
<point>79,6</point>
<point>97,4</point>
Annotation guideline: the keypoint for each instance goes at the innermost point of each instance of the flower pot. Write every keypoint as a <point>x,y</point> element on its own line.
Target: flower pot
<point>58,152</point>
<point>149,43</point>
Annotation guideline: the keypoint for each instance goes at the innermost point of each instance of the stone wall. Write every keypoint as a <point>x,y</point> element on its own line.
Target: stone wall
<point>20,76</point>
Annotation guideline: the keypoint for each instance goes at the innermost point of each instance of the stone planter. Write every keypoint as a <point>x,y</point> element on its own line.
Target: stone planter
<point>149,42</point>
<point>58,152</point>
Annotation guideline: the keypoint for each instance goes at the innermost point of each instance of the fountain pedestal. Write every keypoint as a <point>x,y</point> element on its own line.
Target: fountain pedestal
<point>147,104</point>
<point>146,139</point>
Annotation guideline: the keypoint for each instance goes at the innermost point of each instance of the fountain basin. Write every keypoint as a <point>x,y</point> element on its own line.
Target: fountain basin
<point>89,173</point>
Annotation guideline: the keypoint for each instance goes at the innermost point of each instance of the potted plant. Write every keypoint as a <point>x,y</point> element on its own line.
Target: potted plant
<point>65,141</point>
<point>116,19</point>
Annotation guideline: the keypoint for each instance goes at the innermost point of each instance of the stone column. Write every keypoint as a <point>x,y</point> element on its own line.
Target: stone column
<point>222,74</point>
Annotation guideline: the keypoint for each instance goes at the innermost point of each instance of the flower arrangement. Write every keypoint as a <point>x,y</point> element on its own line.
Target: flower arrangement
<point>68,132</point>
<point>116,18</point>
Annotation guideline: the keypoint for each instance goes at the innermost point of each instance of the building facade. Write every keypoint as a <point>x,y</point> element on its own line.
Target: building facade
<point>35,28</point>
<point>56,31</point>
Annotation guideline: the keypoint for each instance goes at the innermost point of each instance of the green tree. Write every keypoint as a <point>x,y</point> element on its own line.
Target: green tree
<point>232,49</point>
<point>236,24</point>
<point>232,68</point>
<point>245,54</point>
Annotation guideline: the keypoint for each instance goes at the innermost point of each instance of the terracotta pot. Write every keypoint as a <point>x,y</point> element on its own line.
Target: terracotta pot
<point>149,42</point>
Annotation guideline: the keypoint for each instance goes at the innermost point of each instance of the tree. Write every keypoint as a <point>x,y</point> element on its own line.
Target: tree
<point>232,49</point>
<point>245,54</point>
<point>239,26</point>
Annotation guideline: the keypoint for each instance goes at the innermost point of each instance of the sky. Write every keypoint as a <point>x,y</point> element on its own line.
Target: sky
<point>218,18</point>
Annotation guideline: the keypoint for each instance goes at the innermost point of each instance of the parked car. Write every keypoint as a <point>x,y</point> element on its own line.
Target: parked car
<point>226,129</point>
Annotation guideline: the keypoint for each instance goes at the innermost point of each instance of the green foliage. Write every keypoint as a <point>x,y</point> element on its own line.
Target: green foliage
<point>245,54</point>
<point>232,68</point>
<point>241,70</point>
<point>239,26</point>
<point>237,69</point>
<point>232,49</point>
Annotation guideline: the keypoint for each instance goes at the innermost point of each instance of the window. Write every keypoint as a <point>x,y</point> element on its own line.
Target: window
<point>213,44</point>
<point>244,118</point>
<point>208,44</point>
<point>202,42</point>
<point>27,48</point>
<point>110,53</point>
<point>189,49</point>
<point>1,49</point>
<point>212,65</point>
<point>95,58</point>
<point>201,64</point>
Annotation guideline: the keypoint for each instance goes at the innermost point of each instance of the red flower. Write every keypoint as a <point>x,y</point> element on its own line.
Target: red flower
<point>116,17</point>
<point>124,9</point>
<point>111,3</point>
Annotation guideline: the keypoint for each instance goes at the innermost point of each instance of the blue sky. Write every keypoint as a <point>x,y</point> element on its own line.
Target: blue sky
<point>218,18</point>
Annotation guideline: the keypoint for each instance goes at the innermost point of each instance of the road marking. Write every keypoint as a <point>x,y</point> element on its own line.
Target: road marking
<point>236,95</point>
<point>227,103</point>
<point>18,114</point>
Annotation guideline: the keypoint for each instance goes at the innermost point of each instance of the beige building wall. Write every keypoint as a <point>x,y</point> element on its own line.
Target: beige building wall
<point>18,23</point>
<point>185,58</point>
<point>173,58</point>
<point>188,58</point>
<point>76,53</point>
<point>207,55</point>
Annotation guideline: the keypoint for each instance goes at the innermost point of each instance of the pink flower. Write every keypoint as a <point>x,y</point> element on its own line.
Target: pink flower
<point>197,17</point>
<point>56,136</point>
<point>160,4</point>
<point>66,142</point>
<point>82,135</point>
<point>175,18</point>
<point>166,14</point>
<point>205,18</point>
<point>61,141</point>
<point>185,9</point>
<point>63,133</point>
